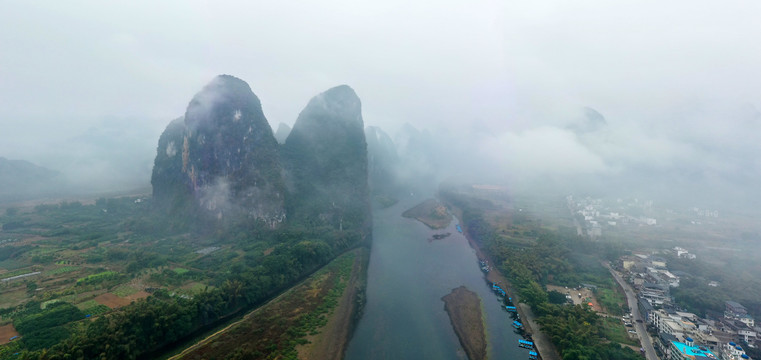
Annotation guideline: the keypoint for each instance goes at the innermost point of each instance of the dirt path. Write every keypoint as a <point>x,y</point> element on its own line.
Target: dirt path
<point>543,344</point>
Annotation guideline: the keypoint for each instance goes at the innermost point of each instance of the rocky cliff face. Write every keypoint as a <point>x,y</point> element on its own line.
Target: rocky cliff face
<point>221,159</point>
<point>168,179</point>
<point>222,162</point>
<point>326,155</point>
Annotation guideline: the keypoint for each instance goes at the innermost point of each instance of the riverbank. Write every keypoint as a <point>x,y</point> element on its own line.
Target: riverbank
<point>431,213</point>
<point>544,346</point>
<point>321,309</point>
<point>333,338</point>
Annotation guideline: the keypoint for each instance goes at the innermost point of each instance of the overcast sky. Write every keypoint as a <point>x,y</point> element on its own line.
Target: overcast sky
<point>517,70</point>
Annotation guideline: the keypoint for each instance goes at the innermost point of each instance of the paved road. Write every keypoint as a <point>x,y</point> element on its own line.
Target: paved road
<point>644,337</point>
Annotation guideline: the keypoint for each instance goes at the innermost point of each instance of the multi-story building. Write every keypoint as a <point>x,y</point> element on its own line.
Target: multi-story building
<point>731,351</point>
<point>688,351</point>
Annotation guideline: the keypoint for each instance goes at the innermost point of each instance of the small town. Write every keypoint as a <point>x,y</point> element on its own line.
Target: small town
<point>678,334</point>
<point>673,332</point>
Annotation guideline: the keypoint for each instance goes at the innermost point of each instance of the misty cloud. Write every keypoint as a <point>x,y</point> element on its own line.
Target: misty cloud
<point>541,151</point>
<point>492,82</point>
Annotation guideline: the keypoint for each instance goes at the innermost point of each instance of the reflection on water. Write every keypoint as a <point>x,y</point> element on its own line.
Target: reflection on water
<point>404,316</point>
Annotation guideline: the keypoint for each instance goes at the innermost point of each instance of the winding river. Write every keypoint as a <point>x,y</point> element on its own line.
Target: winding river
<point>404,316</point>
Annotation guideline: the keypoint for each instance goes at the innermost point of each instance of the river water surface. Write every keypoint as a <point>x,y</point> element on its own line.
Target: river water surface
<point>404,316</point>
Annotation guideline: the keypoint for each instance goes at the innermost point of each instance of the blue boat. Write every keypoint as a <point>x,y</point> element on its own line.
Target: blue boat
<point>533,355</point>
<point>511,308</point>
<point>517,325</point>
<point>525,344</point>
<point>459,229</point>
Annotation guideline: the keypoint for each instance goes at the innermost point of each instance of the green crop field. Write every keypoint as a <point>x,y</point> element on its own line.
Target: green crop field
<point>124,290</point>
<point>96,278</point>
<point>87,304</point>
<point>96,310</point>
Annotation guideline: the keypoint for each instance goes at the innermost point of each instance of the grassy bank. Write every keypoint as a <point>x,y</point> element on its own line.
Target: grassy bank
<point>276,329</point>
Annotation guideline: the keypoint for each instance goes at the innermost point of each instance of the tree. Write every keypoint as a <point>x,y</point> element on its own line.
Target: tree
<point>556,297</point>
<point>31,287</point>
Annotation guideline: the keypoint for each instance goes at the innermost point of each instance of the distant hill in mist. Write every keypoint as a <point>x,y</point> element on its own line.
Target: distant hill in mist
<point>21,180</point>
<point>282,133</point>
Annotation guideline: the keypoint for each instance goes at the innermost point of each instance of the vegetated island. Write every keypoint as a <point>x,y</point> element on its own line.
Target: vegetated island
<point>464,309</point>
<point>430,212</point>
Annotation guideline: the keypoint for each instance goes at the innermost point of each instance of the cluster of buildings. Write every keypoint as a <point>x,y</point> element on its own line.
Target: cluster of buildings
<point>705,212</point>
<point>683,253</point>
<point>684,335</point>
<point>593,215</point>
<point>651,278</point>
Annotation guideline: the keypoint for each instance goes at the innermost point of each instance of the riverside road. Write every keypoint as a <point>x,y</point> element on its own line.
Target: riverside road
<point>639,324</point>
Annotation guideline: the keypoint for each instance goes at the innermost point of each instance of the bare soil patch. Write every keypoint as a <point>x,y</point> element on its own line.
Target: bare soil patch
<point>431,213</point>
<point>6,333</point>
<point>587,296</point>
<point>137,296</point>
<point>111,300</point>
<point>464,309</point>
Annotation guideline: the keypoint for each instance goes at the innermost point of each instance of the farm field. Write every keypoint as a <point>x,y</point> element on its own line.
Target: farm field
<point>81,254</point>
<point>64,266</point>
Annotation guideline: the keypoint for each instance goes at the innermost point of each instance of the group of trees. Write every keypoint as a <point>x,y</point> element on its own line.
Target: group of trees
<point>696,296</point>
